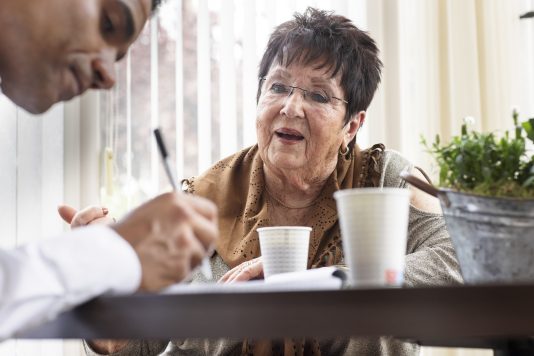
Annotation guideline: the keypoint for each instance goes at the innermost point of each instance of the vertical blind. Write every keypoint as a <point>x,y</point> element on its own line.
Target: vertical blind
<point>31,174</point>
<point>31,186</point>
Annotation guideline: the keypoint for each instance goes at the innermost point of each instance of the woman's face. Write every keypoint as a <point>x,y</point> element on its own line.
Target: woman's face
<point>296,130</point>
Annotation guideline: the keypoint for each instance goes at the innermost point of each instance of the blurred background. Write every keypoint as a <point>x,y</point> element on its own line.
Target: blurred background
<point>193,72</point>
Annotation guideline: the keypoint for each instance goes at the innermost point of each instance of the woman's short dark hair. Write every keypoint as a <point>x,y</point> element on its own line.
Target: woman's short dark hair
<point>335,44</point>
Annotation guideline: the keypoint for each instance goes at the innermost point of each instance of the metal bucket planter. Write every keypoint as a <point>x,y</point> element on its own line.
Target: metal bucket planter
<point>493,237</point>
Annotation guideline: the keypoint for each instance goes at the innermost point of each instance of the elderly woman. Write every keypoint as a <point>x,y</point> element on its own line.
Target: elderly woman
<point>316,80</point>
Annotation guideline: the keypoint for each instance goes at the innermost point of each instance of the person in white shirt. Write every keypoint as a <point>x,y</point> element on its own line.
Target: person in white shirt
<point>51,51</point>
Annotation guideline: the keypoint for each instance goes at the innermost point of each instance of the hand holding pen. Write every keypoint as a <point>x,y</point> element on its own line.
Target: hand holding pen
<point>205,265</point>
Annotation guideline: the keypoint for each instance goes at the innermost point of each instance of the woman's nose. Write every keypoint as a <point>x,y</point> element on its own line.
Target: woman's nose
<point>294,104</point>
<point>103,73</point>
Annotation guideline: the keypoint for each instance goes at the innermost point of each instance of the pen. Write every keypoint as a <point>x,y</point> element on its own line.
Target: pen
<point>205,266</point>
<point>165,158</point>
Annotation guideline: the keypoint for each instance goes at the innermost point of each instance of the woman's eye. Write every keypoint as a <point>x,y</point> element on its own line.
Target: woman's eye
<point>319,97</point>
<point>279,88</point>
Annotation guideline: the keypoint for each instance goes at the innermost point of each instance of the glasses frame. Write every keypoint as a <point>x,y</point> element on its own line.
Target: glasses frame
<point>304,91</point>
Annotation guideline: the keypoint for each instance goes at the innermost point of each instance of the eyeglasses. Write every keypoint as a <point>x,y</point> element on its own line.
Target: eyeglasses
<point>316,97</point>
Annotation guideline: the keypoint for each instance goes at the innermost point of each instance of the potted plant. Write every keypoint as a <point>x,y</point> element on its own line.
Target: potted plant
<point>487,197</point>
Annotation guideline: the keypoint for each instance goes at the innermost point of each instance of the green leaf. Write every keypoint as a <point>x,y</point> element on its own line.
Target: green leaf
<point>529,128</point>
<point>464,130</point>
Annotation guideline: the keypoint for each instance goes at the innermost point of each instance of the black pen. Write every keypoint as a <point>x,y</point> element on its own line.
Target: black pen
<point>165,157</point>
<point>205,266</point>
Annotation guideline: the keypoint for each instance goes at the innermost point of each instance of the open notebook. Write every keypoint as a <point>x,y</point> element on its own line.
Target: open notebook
<point>325,278</point>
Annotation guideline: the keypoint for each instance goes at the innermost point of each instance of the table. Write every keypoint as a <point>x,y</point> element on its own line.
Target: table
<point>498,317</point>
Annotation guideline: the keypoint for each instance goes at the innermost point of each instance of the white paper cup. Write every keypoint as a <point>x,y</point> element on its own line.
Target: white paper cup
<point>284,249</point>
<point>374,225</point>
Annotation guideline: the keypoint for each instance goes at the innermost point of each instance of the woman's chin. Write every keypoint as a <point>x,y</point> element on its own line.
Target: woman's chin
<point>289,161</point>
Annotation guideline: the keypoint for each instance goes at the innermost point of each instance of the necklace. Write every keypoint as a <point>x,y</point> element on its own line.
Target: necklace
<point>271,196</point>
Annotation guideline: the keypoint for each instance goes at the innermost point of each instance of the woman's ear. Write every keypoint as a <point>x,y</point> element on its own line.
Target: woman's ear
<point>352,127</point>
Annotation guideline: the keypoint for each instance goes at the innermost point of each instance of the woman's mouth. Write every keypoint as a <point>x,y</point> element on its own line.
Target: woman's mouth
<point>289,135</point>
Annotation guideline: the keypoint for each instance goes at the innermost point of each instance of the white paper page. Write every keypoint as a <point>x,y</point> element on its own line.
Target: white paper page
<point>326,278</point>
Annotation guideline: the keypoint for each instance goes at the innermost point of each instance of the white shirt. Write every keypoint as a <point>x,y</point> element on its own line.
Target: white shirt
<point>40,280</point>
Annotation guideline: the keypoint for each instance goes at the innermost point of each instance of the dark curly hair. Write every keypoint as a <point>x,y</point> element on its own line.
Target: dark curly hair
<point>333,43</point>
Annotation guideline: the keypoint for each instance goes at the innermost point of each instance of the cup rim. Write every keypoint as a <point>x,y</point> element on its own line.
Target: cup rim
<point>371,191</point>
<point>269,228</point>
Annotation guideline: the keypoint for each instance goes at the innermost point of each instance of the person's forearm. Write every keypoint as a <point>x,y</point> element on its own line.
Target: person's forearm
<point>38,281</point>
<point>432,267</point>
<point>431,259</point>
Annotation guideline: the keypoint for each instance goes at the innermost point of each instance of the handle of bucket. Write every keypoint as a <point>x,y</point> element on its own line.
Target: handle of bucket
<point>427,188</point>
<point>420,184</point>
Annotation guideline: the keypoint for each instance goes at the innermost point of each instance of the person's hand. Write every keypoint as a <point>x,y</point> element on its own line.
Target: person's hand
<point>87,216</point>
<point>171,234</point>
<point>246,271</point>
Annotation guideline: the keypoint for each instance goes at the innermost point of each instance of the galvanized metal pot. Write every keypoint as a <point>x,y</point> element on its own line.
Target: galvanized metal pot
<point>493,237</point>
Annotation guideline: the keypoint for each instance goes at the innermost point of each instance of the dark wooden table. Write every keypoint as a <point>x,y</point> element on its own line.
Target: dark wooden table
<point>497,317</point>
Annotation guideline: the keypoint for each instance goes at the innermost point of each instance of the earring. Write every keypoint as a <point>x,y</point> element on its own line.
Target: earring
<point>343,152</point>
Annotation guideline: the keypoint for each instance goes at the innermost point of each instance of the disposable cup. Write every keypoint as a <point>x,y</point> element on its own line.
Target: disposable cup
<point>284,249</point>
<point>374,226</point>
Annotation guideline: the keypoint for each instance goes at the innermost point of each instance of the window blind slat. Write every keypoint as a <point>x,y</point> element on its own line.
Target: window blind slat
<point>90,148</point>
<point>29,173</point>
<point>271,9</point>
<point>52,170</point>
<point>527,105</point>
<point>250,73</point>
<point>8,175</point>
<point>204,86</point>
<point>179,92</point>
<point>71,155</point>
<point>357,12</point>
<point>154,107</point>
<point>39,174</point>
<point>227,84</point>
<point>128,89</point>
<point>301,5</point>
<point>339,6</point>
<point>374,129</point>
<point>284,10</point>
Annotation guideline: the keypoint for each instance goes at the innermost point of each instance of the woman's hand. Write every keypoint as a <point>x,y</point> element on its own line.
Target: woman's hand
<point>87,216</point>
<point>244,272</point>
